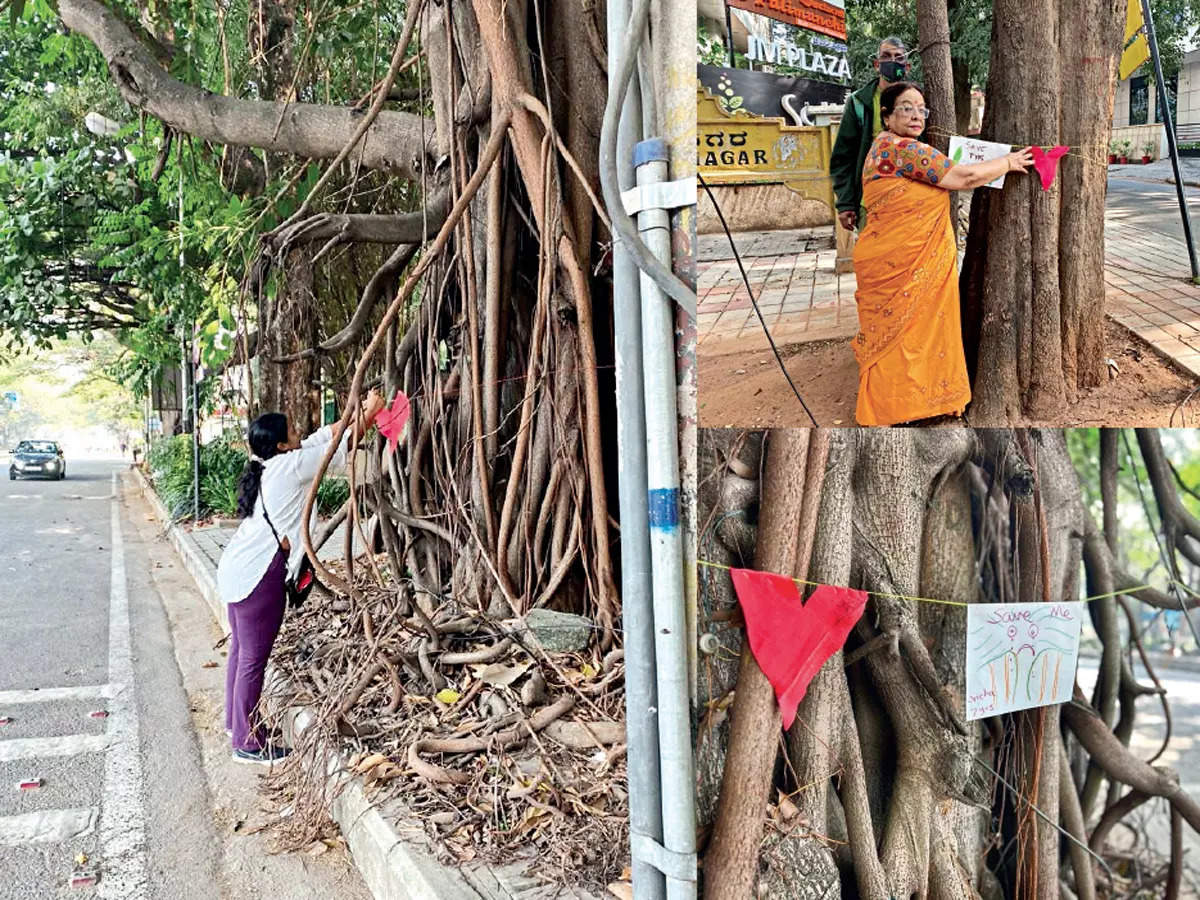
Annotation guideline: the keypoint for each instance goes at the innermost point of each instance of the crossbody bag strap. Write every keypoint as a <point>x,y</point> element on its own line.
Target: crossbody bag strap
<point>268,518</point>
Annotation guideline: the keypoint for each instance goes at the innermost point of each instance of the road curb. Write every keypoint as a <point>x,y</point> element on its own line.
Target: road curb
<point>391,867</point>
<point>193,561</point>
<point>1192,182</point>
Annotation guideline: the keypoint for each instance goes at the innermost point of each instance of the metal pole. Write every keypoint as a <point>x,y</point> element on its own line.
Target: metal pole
<point>637,611</point>
<point>666,540</point>
<point>1172,147</point>
<point>190,370</point>
<point>195,434</point>
<point>729,35</point>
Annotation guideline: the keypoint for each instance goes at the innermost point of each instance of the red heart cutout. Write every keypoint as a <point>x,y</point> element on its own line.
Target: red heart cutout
<point>391,421</point>
<point>792,639</point>
<point>1046,163</point>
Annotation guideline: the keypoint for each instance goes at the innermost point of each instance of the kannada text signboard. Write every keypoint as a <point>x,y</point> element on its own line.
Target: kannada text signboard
<point>815,15</point>
<point>746,149</point>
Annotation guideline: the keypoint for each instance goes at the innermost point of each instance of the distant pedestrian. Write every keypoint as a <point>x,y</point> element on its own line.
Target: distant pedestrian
<point>861,122</point>
<point>255,564</point>
<point>124,447</point>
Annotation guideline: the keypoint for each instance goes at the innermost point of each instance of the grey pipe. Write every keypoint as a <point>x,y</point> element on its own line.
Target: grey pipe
<point>637,612</point>
<point>666,538</point>
<point>619,79</point>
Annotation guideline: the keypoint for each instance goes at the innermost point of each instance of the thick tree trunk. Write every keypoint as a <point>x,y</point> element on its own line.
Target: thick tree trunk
<point>1032,283</point>
<point>795,467</point>
<point>933,30</point>
<point>288,321</point>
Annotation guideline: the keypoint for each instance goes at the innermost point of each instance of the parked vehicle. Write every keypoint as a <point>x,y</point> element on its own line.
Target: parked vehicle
<point>43,459</point>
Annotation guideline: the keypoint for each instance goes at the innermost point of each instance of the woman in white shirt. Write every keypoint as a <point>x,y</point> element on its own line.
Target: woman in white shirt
<point>254,565</point>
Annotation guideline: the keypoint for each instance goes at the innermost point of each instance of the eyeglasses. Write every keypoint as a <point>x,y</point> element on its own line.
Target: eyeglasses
<point>893,56</point>
<point>908,109</point>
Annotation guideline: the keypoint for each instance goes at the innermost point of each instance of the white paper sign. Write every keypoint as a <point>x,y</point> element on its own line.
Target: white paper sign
<point>969,150</point>
<point>1020,655</point>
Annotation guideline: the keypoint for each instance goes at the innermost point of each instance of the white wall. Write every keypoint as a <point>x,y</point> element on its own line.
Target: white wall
<point>1188,111</point>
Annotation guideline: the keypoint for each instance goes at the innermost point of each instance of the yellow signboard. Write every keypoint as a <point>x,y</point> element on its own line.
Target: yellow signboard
<point>1133,19</point>
<point>746,149</point>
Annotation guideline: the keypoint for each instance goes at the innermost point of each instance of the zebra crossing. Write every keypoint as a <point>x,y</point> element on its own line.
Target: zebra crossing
<point>114,820</point>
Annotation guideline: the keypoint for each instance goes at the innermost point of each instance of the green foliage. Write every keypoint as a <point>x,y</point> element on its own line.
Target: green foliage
<point>221,465</point>
<point>89,240</point>
<point>331,494</point>
<point>869,21</point>
<point>170,462</point>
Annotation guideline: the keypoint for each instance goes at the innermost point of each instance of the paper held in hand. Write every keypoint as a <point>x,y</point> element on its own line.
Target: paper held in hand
<point>1020,655</point>
<point>970,150</point>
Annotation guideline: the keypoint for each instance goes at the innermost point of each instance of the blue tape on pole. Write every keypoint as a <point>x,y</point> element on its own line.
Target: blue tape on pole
<point>664,507</point>
<point>650,150</point>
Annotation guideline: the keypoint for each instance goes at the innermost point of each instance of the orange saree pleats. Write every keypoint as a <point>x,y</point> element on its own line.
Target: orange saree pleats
<point>909,345</point>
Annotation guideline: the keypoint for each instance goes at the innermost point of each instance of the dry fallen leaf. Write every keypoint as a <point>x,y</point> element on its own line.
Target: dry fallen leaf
<point>788,809</point>
<point>369,763</point>
<point>621,889</point>
<point>208,665</point>
<point>500,675</point>
<point>448,695</point>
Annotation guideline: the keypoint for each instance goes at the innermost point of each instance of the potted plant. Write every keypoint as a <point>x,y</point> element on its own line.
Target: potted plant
<point>1112,152</point>
<point>1123,151</point>
<point>1148,152</point>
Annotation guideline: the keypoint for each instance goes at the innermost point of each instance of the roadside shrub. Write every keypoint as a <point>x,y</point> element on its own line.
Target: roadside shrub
<point>221,464</point>
<point>332,493</point>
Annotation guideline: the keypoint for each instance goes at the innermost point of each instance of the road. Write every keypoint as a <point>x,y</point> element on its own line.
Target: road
<point>1151,205</point>
<point>98,615</point>
<point>1182,683</point>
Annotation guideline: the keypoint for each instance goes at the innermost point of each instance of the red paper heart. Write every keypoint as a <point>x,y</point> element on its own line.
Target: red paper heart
<point>792,639</point>
<point>391,421</point>
<point>1046,163</point>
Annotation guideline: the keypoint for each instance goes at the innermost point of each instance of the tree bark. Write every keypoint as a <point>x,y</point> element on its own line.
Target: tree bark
<point>933,29</point>
<point>795,468</point>
<point>1032,282</point>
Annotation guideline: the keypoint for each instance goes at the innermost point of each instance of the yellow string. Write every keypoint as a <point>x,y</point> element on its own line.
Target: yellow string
<point>1140,587</point>
<point>1018,146</point>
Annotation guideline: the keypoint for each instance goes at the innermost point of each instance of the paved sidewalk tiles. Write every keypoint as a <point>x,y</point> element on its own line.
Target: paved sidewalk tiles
<point>802,299</point>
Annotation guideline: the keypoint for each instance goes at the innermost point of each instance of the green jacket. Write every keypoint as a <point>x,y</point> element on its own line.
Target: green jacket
<point>850,150</point>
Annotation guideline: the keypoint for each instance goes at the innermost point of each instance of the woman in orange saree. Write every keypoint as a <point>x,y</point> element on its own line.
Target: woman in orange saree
<point>909,344</point>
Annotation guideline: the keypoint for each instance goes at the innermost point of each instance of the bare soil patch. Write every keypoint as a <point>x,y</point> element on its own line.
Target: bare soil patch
<point>747,390</point>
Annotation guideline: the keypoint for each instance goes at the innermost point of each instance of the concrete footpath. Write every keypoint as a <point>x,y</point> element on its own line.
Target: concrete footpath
<point>395,863</point>
<point>1161,171</point>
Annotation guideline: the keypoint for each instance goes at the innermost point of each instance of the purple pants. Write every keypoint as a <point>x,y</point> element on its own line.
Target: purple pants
<point>254,624</point>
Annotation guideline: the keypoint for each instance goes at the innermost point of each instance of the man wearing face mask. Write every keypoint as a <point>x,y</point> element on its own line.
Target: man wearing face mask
<point>859,127</point>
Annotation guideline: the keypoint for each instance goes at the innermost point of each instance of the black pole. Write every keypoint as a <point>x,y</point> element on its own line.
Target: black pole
<point>1172,148</point>
<point>729,35</point>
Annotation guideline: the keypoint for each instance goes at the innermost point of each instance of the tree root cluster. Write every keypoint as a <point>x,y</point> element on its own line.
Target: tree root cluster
<point>882,790</point>
<point>460,727</point>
